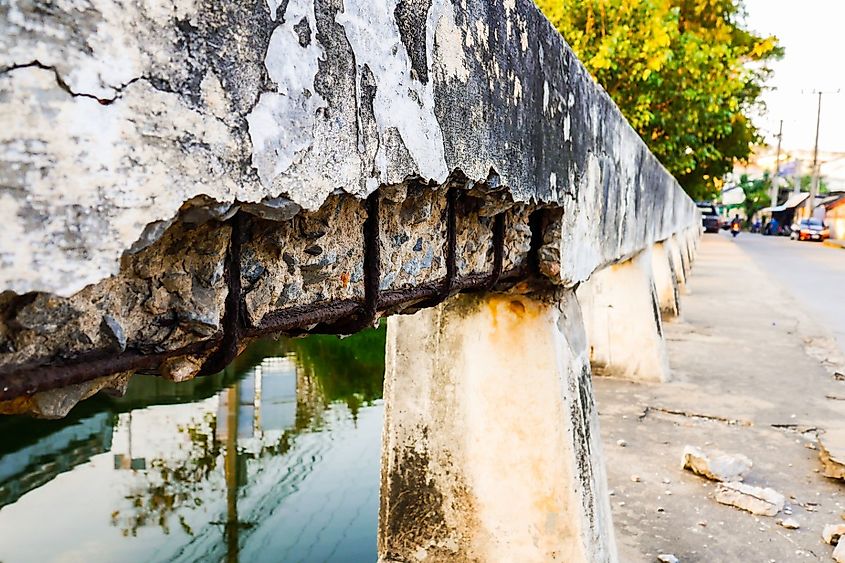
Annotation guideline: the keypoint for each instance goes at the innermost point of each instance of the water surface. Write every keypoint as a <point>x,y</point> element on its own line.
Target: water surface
<point>274,459</point>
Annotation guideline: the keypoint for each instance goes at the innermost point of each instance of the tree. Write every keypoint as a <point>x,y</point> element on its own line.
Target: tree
<point>685,73</point>
<point>757,195</point>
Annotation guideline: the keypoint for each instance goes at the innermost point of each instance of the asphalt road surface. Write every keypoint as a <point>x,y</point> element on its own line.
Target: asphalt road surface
<point>812,273</point>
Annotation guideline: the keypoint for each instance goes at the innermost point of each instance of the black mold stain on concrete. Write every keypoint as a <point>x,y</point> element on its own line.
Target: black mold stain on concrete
<point>655,309</point>
<point>415,518</point>
<point>303,31</point>
<point>582,440</point>
<point>676,290</point>
<point>410,16</point>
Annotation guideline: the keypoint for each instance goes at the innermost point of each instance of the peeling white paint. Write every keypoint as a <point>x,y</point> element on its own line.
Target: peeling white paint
<point>85,220</point>
<point>401,103</point>
<point>281,125</point>
<point>273,6</point>
<point>111,58</point>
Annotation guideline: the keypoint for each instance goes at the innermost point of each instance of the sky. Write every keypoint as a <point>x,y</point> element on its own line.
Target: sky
<point>813,34</point>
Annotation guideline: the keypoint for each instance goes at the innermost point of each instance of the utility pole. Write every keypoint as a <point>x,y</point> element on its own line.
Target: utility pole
<point>814,187</point>
<point>774,188</point>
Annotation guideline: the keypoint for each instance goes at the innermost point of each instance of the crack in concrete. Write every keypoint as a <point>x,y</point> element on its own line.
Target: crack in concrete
<point>686,414</point>
<point>66,87</point>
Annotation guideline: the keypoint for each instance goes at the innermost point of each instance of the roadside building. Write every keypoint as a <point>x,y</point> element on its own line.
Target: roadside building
<point>834,215</point>
<point>774,219</point>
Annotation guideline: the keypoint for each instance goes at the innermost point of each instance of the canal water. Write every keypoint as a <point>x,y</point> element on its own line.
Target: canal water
<point>274,459</point>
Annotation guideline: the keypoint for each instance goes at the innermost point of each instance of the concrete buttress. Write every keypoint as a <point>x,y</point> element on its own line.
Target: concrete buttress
<point>491,449</point>
<point>665,281</point>
<point>622,319</point>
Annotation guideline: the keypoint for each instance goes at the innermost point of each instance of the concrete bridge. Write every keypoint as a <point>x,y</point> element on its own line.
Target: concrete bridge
<point>178,178</point>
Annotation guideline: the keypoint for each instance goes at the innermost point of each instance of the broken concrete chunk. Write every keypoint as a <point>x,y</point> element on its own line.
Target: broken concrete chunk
<point>181,368</point>
<point>57,403</point>
<point>789,523</point>
<point>667,558</point>
<point>832,453</point>
<point>839,553</point>
<point>832,533</point>
<point>717,465</point>
<point>756,500</point>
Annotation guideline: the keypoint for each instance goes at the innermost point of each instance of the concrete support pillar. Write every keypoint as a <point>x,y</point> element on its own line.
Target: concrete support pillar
<point>491,449</point>
<point>673,248</point>
<point>665,281</point>
<point>622,319</point>
<point>688,238</point>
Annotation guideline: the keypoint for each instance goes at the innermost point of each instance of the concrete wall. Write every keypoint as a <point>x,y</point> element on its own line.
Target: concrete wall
<point>116,114</point>
<point>171,171</point>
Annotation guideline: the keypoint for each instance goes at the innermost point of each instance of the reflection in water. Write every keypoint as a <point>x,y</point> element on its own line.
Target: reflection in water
<point>274,459</point>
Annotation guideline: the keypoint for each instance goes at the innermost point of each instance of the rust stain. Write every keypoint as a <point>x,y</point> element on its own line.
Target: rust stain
<point>344,279</point>
<point>517,308</point>
<point>18,405</point>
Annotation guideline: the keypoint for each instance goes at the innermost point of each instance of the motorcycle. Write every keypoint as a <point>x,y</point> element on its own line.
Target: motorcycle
<point>735,228</point>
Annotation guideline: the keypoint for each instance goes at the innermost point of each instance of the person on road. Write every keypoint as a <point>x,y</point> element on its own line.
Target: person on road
<point>736,225</point>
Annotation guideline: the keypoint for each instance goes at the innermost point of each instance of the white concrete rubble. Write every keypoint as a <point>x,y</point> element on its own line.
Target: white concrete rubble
<point>790,523</point>
<point>838,554</point>
<point>491,449</point>
<point>832,532</point>
<point>756,500</point>
<point>716,465</point>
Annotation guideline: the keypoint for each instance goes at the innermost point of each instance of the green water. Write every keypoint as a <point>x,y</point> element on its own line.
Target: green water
<point>274,459</point>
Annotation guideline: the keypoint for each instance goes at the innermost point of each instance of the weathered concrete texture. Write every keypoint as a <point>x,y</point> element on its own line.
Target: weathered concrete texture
<point>165,297</point>
<point>716,465</point>
<point>312,257</point>
<point>114,114</point>
<point>491,448</point>
<point>412,242</point>
<point>665,280</point>
<point>622,320</point>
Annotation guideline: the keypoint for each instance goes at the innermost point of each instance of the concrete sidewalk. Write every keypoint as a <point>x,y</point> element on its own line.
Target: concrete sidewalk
<point>747,379</point>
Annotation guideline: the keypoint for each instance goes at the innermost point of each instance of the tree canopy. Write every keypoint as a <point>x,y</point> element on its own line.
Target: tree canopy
<point>685,73</point>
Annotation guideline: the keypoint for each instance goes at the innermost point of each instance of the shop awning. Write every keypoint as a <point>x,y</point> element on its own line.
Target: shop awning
<point>792,202</point>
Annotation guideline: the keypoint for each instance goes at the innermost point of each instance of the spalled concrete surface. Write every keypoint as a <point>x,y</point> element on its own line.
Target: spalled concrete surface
<point>117,116</point>
<point>742,383</point>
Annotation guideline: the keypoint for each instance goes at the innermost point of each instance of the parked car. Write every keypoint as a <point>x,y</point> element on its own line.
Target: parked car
<point>710,219</point>
<point>810,229</point>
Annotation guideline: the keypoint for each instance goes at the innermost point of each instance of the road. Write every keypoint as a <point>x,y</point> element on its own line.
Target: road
<point>813,274</point>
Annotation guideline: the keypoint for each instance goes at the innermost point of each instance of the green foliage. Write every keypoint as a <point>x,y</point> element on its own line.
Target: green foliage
<point>757,194</point>
<point>349,369</point>
<point>685,73</point>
